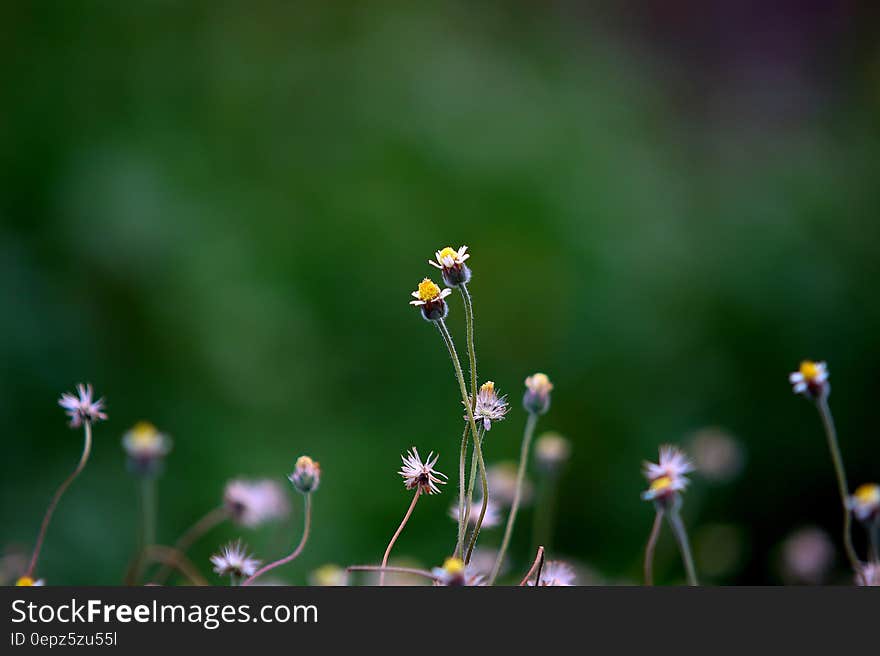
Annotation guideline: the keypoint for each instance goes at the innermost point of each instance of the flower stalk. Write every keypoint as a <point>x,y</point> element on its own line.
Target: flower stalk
<point>307,522</point>
<point>397,533</point>
<point>651,546</point>
<point>674,519</point>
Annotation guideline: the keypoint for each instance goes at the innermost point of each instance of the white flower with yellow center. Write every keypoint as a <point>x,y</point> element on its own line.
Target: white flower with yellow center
<point>455,573</point>
<point>431,300</point>
<point>145,447</point>
<point>865,502</point>
<point>667,477</point>
<point>27,582</point>
<point>451,264</point>
<point>811,379</point>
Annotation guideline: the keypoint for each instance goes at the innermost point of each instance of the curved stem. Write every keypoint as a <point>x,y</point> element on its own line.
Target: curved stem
<point>529,431</point>
<point>843,487</point>
<point>462,519</point>
<point>456,363</point>
<point>484,482</point>
<point>87,448</point>
<point>536,567</point>
<point>204,524</point>
<point>399,570</point>
<point>397,533</point>
<point>683,545</point>
<point>173,558</point>
<point>296,552</point>
<point>651,546</point>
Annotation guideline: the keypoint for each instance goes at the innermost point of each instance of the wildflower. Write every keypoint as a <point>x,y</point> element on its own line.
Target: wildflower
<point>552,451</point>
<point>329,575</point>
<point>489,407</point>
<point>430,298</point>
<point>869,575</point>
<point>454,572</point>
<point>807,555</point>
<point>865,502</point>
<point>146,447</point>
<point>537,397</point>
<point>491,519</point>
<point>451,263</point>
<point>502,481</point>
<point>556,573</point>
<point>27,582</point>
<point>80,407</point>
<point>668,477</point>
<point>811,380</point>
<point>306,475</point>
<point>251,503</point>
<point>421,475</point>
<point>233,560</point>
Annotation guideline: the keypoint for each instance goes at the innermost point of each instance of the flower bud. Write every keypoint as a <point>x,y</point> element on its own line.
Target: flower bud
<point>306,475</point>
<point>537,397</point>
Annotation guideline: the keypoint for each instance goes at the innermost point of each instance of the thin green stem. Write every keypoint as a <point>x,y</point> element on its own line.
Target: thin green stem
<point>307,522</point>
<point>544,521</point>
<point>651,546</point>
<point>529,431</point>
<point>456,363</point>
<point>462,520</point>
<point>484,482</point>
<point>83,459</point>
<point>472,353</point>
<point>684,547</point>
<point>843,487</point>
<point>397,533</point>
<point>148,509</point>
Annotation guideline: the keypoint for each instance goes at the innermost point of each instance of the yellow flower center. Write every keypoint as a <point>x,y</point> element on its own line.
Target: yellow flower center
<point>24,582</point>
<point>453,566</point>
<point>447,252</point>
<point>867,494</point>
<point>304,462</point>
<point>539,383</point>
<point>144,434</point>
<point>428,291</point>
<point>809,370</point>
<point>660,484</point>
<point>488,387</point>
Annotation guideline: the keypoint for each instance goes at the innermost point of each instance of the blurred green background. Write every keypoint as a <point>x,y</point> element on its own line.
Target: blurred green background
<point>215,213</point>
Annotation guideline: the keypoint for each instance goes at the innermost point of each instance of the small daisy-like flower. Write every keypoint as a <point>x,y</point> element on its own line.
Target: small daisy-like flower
<point>451,263</point>
<point>233,560</point>
<point>556,573</point>
<point>552,451</point>
<point>430,298</point>
<point>537,397</point>
<point>454,573</point>
<point>869,575</point>
<point>306,475</point>
<point>489,407</point>
<point>491,519</point>
<point>667,477</point>
<point>27,582</point>
<point>811,380</point>
<point>423,476</point>
<point>80,407</point>
<point>865,502</point>
<point>251,503</point>
<point>145,447</point>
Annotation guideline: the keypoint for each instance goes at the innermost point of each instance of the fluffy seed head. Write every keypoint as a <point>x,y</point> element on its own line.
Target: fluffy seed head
<point>489,406</point>
<point>419,475</point>
<point>251,503</point>
<point>233,560</point>
<point>80,407</point>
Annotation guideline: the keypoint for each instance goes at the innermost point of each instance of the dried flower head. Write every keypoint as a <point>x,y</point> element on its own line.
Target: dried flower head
<point>552,451</point>
<point>865,502</point>
<point>811,380</point>
<point>556,573</point>
<point>80,407</point>
<point>233,560</point>
<point>306,475</point>
<point>491,519</point>
<point>146,447</point>
<point>423,476</point>
<point>537,397</point>
<point>430,298</point>
<point>869,575</point>
<point>251,503</point>
<point>489,407</point>
<point>451,264</point>
<point>667,477</point>
<point>454,573</point>
<point>27,582</point>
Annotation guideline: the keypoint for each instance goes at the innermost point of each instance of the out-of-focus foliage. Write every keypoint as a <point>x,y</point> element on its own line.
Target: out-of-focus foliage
<point>216,213</point>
